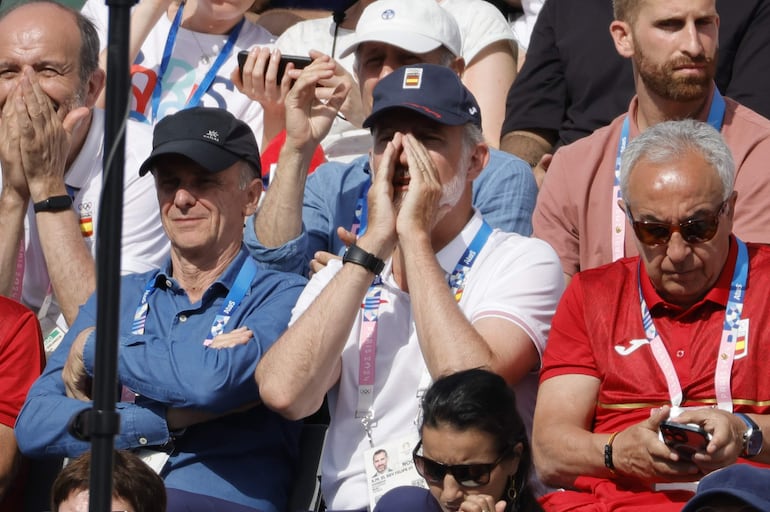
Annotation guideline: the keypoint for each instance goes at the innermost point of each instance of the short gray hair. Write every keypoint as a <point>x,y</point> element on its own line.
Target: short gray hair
<point>248,173</point>
<point>673,139</point>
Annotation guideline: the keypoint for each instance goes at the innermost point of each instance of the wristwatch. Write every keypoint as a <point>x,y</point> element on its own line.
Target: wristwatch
<point>53,204</point>
<point>752,438</point>
<point>369,261</point>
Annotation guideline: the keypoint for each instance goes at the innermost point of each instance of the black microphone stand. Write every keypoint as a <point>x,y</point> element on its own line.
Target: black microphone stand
<point>101,423</point>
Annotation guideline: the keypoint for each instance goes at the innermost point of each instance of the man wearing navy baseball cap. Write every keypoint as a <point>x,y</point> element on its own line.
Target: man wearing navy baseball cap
<point>190,336</point>
<point>429,288</point>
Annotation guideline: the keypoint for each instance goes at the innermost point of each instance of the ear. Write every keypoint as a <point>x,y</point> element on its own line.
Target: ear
<point>254,191</point>
<point>511,464</point>
<point>94,87</point>
<point>478,160</point>
<point>622,37</point>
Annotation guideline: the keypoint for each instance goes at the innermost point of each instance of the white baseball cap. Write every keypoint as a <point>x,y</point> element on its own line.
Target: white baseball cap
<point>417,26</point>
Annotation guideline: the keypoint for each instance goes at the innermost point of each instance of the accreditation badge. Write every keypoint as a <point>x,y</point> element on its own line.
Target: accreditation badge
<point>389,465</point>
<point>742,340</point>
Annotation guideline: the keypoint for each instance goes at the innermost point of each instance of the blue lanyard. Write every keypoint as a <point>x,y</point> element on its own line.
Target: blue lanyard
<point>200,89</point>
<point>360,220</point>
<point>360,214</point>
<point>730,327</point>
<point>715,118</point>
<point>233,299</point>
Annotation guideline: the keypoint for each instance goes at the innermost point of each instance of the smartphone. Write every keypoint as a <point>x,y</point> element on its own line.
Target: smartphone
<point>298,60</point>
<point>686,439</point>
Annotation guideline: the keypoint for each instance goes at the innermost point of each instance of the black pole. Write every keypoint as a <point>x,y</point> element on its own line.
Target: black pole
<point>101,423</point>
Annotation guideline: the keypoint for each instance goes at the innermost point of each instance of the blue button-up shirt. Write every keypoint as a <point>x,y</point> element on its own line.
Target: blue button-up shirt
<point>245,457</point>
<point>504,193</point>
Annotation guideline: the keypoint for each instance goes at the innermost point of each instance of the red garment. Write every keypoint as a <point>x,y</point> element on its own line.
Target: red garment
<point>22,359</point>
<point>599,313</point>
<point>269,156</point>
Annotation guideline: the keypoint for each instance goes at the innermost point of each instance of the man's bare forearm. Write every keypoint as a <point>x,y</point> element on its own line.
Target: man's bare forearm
<point>279,218</point>
<point>530,146</point>
<point>70,264</point>
<point>12,211</point>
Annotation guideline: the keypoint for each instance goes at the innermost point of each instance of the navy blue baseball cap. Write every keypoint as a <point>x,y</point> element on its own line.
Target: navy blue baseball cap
<point>740,483</point>
<point>433,91</point>
<point>211,137</point>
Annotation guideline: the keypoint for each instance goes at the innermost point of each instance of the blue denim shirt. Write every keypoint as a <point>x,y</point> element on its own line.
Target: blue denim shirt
<point>245,457</point>
<point>504,193</point>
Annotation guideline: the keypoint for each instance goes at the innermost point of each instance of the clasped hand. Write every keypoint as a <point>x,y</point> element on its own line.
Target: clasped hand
<point>35,139</point>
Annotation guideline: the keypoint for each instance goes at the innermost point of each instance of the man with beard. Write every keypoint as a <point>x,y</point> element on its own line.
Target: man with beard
<point>430,288</point>
<point>673,47</point>
<point>51,153</point>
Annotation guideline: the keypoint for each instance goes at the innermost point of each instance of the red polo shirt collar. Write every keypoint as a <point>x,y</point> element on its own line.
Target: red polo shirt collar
<point>718,294</point>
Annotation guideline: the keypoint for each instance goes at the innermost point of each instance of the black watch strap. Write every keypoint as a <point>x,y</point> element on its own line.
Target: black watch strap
<point>53,204</point>
<point>369,261</point>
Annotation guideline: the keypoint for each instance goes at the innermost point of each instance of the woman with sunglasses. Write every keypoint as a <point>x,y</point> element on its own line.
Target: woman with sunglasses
<point>473,451</point>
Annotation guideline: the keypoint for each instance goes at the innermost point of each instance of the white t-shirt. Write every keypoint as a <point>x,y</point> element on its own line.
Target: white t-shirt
<point>193,55</point>
<point>515,278</point>
<point>523,25</point>
<point>144,244</point>
<point>481,24</point>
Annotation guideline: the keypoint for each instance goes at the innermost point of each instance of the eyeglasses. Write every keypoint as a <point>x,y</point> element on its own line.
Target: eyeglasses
<point>467,475</point>
<point>693,231</point>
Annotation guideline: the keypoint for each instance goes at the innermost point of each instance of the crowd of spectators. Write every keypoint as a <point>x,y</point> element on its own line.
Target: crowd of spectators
<point>509,252</point>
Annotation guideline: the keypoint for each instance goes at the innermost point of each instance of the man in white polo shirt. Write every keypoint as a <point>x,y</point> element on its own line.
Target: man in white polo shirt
<point>429,289</point>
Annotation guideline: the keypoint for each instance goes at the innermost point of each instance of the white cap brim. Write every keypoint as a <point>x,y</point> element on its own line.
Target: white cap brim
<point>409,41</point>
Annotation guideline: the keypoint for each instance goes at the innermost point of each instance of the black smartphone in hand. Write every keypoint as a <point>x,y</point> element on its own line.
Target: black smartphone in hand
<point>298,60</point>
<point>686,439</point>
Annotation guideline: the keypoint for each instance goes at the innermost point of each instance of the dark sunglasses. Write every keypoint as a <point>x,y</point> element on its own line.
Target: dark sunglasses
<point>467,475</point>
<point>693,231</point>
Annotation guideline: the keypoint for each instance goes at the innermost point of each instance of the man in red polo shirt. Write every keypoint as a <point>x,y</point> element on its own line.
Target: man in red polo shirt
<point>661,336</point>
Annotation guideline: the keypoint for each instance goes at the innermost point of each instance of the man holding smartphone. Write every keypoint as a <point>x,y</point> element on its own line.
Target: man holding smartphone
<point>661,336</point>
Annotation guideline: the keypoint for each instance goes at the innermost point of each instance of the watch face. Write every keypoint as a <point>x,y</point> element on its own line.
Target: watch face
<point>754,443</point>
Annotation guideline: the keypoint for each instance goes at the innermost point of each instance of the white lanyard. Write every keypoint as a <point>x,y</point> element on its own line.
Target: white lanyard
<point>726,353</point>
<point>18,278</point>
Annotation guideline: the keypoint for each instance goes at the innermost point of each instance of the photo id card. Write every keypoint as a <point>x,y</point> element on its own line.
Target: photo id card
<point>389,465</point>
